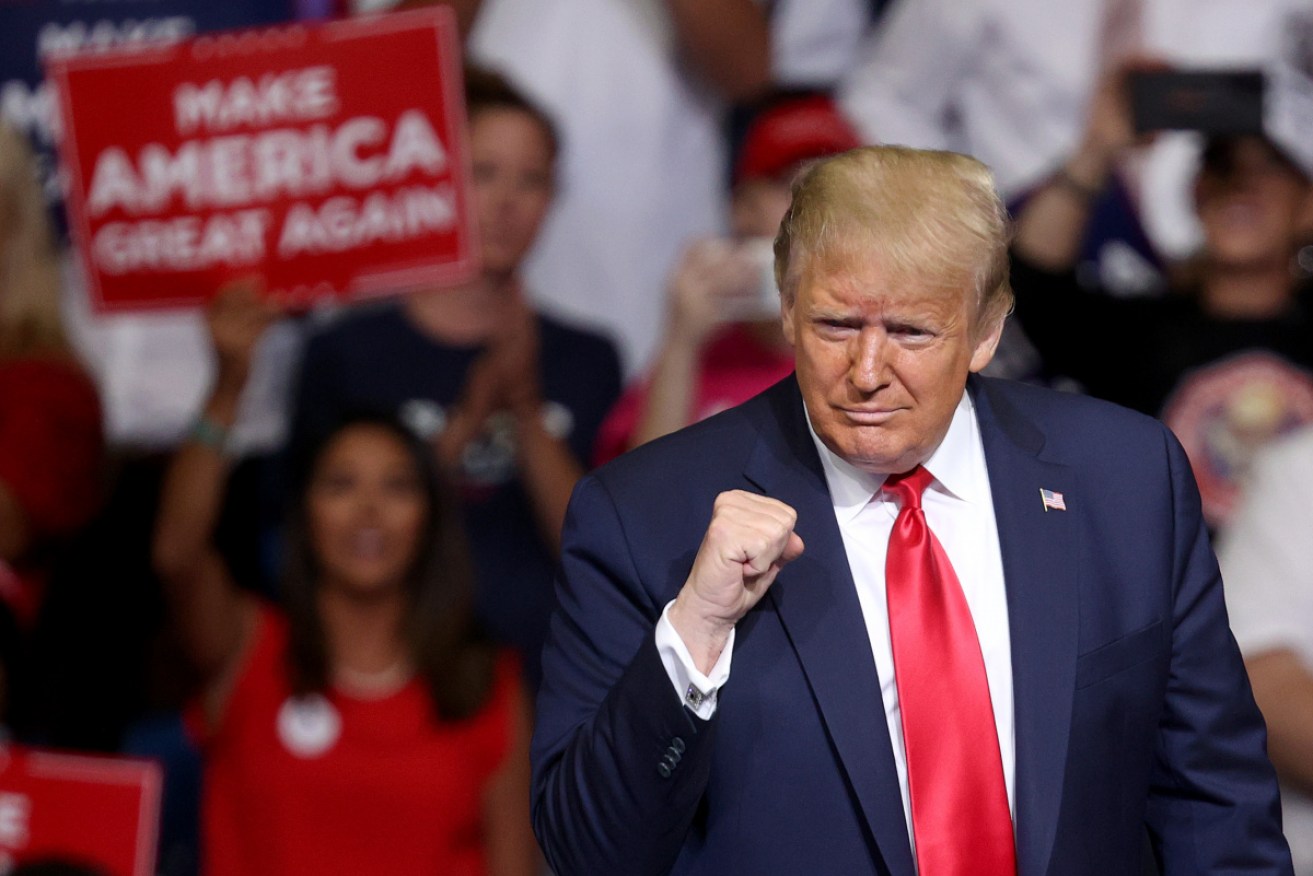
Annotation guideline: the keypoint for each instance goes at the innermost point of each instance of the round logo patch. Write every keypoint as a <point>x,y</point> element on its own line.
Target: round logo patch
<point>1224,412</point>
<point>308,726</point>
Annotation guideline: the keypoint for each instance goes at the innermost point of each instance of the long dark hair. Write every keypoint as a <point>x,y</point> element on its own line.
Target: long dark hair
<point>449,652</point>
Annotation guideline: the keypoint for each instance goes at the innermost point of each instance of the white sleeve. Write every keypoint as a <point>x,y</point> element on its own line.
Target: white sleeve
<point>907,74</point>
<point>815,42</point>
<point>698,692</point>
<point>1266,553</point>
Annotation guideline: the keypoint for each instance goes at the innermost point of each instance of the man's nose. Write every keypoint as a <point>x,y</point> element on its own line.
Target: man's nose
<point>867,369</point>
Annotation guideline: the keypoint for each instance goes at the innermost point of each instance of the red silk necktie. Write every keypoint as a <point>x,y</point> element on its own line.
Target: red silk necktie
<point>959,801</point>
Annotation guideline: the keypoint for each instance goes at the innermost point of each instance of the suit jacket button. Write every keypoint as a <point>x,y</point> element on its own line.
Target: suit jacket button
<point>663,770</point>
<point>677,744</point>
<point>673,755</point>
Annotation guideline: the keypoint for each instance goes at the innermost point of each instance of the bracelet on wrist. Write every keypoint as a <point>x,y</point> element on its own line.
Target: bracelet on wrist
<point>1063,179</point>
<point>207,432</point>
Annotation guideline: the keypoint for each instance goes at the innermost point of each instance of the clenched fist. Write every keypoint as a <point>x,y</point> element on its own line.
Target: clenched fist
<point>750,538</point>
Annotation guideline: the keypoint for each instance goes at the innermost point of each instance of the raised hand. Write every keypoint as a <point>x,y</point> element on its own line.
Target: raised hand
<point>237,318</point>
<point>749,539</point>
<point>715,282</point>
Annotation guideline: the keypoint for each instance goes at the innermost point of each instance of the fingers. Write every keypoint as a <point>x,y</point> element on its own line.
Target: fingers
<point>793,549</point>
<point>237,318</point>
<point>751,529</point>
<point>749,539</point>
<point>714,281</point>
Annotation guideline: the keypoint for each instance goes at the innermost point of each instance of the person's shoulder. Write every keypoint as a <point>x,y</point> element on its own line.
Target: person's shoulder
<point>348,329</point>
<point>568,336</point>
<point>1068,420</point>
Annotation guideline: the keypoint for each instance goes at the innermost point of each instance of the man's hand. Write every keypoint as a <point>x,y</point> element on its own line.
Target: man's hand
<point>750,538</point>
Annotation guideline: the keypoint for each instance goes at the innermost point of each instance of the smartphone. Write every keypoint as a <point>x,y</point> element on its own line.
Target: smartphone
<point>1209,101</point>
<point>765,303</point>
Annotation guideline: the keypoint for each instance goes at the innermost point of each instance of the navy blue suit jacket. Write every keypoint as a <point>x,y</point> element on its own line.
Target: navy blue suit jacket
<point>1132,705</point>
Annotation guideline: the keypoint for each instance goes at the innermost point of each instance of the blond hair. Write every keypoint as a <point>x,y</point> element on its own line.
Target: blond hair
<point>30,320</point>
<point>925,216</point>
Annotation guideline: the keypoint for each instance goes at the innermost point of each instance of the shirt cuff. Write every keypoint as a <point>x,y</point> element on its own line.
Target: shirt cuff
<point>695,690</point>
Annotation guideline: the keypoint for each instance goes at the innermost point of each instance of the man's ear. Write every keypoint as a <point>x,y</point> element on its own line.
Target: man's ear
<point>987,343</point>
<point>787,316</point>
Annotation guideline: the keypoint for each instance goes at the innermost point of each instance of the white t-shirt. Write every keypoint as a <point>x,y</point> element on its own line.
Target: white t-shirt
<point>1266,556</point>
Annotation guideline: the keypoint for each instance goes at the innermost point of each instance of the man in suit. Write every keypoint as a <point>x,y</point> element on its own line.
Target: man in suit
<point>936,623</point>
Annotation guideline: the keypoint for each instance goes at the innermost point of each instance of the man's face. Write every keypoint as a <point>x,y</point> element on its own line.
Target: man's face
<point>882,365</point>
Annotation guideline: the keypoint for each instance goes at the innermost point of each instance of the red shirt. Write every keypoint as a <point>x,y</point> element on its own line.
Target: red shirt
<point>51,461</point>
<point>733,368</point>
<point>349,786</point>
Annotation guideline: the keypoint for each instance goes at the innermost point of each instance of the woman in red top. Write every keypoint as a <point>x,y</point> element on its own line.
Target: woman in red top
<point>51,444</point>
<point>365,728</point>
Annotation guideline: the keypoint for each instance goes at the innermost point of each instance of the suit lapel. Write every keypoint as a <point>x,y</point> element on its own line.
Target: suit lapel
<point>1040,569</point>
<point>818,606</point>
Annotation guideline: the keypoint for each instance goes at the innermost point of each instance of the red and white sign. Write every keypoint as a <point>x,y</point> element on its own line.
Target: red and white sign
<point>101,810</point>
<point>328,159</point>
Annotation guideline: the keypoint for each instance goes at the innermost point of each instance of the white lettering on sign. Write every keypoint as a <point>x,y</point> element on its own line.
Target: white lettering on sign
<point>242,169</point>
<point>187,243</point>
<point>31,110</point>
<point>15,814</point>
<point>55,38</point>
<point>343,223</point>
<point>276,98</point>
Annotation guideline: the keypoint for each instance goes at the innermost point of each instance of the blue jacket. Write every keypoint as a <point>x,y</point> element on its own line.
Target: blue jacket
<point>1132,704</point>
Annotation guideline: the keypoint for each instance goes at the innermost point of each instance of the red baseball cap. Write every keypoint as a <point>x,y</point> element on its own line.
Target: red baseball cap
<point>791,132</point>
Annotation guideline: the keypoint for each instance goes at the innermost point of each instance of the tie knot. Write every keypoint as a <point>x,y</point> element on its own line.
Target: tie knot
<point>909,486</point>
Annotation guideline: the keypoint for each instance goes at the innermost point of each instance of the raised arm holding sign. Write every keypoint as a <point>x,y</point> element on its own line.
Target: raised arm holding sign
<point>285,153</point>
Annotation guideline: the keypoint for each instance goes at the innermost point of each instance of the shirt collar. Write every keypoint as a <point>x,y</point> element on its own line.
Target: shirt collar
<point>958,464</point>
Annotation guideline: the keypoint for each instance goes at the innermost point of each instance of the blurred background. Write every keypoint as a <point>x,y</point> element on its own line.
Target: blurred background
<point>195,525</point>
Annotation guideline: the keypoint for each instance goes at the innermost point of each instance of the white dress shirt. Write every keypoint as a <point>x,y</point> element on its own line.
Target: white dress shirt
<point>959,508</point>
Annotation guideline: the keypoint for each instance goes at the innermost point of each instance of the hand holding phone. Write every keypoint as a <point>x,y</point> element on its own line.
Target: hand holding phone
<point>1208,101</point>
<point>717,281</point>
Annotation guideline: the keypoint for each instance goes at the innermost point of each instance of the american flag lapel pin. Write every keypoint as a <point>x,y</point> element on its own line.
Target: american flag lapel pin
<point>1052,501</point>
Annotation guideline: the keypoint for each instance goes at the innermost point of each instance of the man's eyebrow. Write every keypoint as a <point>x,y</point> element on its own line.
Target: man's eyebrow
<point>831,313</point>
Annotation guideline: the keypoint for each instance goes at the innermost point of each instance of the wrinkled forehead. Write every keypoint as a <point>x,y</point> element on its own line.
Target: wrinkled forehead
<point>867,270</point>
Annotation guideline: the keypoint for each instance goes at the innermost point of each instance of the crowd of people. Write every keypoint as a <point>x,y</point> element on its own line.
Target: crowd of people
<point>343,623</point>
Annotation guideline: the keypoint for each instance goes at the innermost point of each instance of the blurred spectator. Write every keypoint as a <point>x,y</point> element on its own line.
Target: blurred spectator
<point>366,728</point>
<point>150,367</point>
<point>1226,361</point>
<point>999,79</point>
<point>1009,80</point>
<point>640,89</point>
<point>51,448</point>
<point>511,398</point>
<point>722,342</point>
<point>1267,563</point>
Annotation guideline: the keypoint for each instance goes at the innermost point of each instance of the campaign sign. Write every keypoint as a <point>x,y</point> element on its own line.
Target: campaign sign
<point>99,810</point>
<point>328,159</point>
